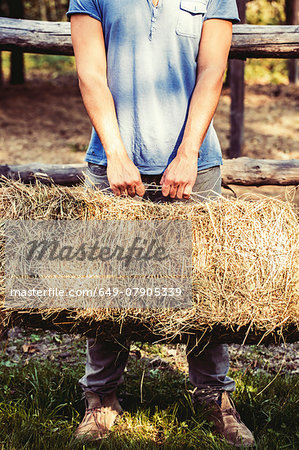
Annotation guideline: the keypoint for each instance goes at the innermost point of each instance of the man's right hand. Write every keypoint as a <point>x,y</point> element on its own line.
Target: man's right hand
<point>124,177</point>
<point>90,52</point>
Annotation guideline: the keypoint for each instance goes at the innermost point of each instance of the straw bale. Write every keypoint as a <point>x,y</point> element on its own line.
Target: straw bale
<point>245,263</point>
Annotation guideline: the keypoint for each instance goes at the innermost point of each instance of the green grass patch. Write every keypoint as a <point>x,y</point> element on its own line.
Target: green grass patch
<point>41,405</point>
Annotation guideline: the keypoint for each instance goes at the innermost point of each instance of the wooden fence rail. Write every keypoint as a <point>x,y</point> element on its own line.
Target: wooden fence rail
<point>249,41</point>
<point>239,171</point>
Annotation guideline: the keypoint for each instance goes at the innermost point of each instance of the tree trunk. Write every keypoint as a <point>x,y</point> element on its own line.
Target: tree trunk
<point>17,75</point>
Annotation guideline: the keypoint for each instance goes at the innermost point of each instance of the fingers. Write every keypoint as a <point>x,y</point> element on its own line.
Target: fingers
<point>119,189</point>
<point>170,188</point>
<point>163,177</point>
<point>115,190</point>
<point>176,190</point>
<point>166,188</point>
<point>180,191</point>
<point>173,190</point>
<point>187,191</point>
<point>132,189</point>
<point>140,189</point>
<point>178,179</point>
<point>124,178</point>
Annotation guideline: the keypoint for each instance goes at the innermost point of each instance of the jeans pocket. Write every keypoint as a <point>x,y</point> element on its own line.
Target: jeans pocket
<point>190,17</point>
<point>96,177</point>
<point>97,169</point>
<point>206,170</point>
<point>208,183</point>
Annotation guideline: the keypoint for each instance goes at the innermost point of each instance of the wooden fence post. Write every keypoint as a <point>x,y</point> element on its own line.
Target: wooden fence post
<point>17,76</point>
<point>1,73</point>
<point>291,11</point>
<point>237,92</point>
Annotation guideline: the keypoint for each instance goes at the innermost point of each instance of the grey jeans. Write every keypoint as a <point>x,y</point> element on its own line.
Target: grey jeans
<point>106,361</point>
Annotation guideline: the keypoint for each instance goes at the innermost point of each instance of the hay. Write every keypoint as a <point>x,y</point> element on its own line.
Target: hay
<point>245,261</point>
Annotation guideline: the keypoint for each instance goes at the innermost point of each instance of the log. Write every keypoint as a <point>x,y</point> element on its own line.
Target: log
<point>265,41</point>
<point>63,174</point>
<point>242,171</point>
<point>246,171</point>
<point>249,41</point>
<point>64,321</point>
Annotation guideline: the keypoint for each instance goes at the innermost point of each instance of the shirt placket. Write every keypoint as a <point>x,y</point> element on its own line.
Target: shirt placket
<point>154,14</point>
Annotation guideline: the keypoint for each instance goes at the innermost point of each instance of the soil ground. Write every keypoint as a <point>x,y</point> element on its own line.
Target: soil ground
<point>45,121</point>
<point>20,346</point>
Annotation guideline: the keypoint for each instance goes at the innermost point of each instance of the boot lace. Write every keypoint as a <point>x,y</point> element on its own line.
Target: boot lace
<point>93,411</point>
<point>232,412</point>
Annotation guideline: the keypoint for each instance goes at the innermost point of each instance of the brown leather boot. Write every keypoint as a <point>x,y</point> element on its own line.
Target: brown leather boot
<point>100,415</point>
<point>227,422</point>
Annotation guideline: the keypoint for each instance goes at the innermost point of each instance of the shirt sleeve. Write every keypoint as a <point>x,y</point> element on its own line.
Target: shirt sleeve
<point>222,9</point>
<point>90,7</point>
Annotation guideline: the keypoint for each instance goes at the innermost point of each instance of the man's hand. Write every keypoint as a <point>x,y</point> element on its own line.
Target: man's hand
<point>90,52</point>
<point>180,176</point>
<point>124,177</point>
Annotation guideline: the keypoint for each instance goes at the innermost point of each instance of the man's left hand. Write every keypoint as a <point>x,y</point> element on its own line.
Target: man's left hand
<point>179,177</point>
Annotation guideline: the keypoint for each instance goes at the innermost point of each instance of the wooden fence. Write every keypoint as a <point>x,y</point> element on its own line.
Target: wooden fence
<point>249,41</point>
<point>239,171</point>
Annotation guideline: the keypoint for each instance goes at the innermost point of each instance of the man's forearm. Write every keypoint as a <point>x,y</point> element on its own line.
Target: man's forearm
<point>122,174</point>
<point>203,104</point>
<point>100,107</point>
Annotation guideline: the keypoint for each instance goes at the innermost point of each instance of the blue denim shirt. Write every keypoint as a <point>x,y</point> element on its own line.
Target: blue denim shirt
<point>151,72</point>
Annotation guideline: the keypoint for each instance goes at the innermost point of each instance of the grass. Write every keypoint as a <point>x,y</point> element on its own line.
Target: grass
<point>40,406</point>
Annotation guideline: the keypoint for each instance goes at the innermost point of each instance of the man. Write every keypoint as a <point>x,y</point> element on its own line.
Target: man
<point>151,73</point>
